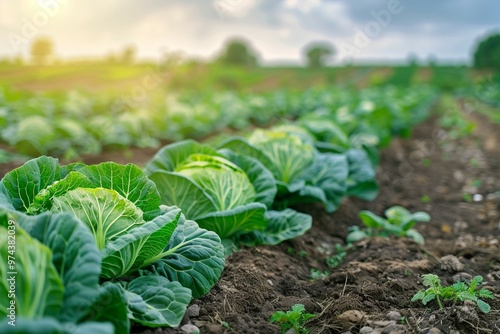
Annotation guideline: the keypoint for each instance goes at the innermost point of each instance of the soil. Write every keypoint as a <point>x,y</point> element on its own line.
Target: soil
<point>374,284</point>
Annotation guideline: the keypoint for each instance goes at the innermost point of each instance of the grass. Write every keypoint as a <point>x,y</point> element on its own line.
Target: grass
<point>115,76</point>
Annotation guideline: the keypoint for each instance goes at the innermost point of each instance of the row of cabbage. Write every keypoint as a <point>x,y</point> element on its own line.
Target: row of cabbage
<point>99,248</point>
<point>76,124</point>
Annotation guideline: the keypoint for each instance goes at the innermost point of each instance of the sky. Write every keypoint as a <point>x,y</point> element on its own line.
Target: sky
<point>359,30</point>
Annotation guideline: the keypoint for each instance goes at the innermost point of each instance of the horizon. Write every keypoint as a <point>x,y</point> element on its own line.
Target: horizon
<point>361,33</point>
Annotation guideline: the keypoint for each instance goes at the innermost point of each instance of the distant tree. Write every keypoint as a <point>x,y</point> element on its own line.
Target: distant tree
<point>432,60</point>
<point>171,59</point>
<point>42,50</point>
<point>487,54</point>
<point>412,60</point>
<point>238,52</point>
<point>110,58</point>
<point>128,54</point>
<point>319,54</point>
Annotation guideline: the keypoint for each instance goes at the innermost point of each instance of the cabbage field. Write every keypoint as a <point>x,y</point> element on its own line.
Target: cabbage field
<point>214,211</point>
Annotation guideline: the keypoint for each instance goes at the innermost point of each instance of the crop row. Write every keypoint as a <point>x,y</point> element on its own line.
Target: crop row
<point>75,124</point>
<point>98,248</point>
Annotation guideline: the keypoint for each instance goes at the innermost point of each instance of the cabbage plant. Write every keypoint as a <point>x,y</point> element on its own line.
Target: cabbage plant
<point>121,209</point>
<point>359,149</point>
<point>223,191</point>
<point>301,172</point>
<point>56,265</point>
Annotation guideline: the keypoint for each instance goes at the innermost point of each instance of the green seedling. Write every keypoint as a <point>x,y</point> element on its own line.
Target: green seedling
<point>459,291</point>
<point>292,251</point>
<point>302,253</point>
<point>426,162</point>
<point>295,318</point>
<point>425,199</point>
<point>399,222</point>
<point>318,274</point>
<point>467,197</point>
<point>476,183</point>
<point>336,259</point>
<point>226,325</point>
<point>474,163</point>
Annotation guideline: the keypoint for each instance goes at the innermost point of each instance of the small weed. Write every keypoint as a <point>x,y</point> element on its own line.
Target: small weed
<point>302,254</point>
<point>476,183</point>
<point>460,291</point>
<point>425,199</point>
<point>318,274</point>
<point>399,222</point>
<point>292,251</point>
<point>226,325</point>
<point>336,259</point>
<point>474,163</point>
<point>426,162</point>
<point>467,197</point>
<point>295,318</point>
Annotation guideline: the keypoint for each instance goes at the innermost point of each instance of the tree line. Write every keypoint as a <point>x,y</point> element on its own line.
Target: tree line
<point>238,52</point>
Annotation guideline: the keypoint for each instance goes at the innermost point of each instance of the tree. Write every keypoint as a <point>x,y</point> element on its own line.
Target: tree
<point>238,52</point>
<point>487,54</point>
<point>319,54</point>
<point>128,54</point>
<point>42,50</point>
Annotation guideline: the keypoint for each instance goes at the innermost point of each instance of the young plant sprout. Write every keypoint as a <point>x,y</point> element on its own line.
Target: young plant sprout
<point>399,222</point>
<point>459,291</point>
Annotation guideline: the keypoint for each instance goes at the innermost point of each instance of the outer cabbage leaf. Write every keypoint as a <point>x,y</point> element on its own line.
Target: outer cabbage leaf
<point>43,200</point>
<point>75,257</point>
<point>127,180</point>
<point>25,182</point>
<point>38,287</point>
<point>142,245</point>
<point>163,227</point>
<point>243,147</point>
<point>282,225</point>
<point>325,181</point>
<point>326,131</point>
<point>286,154</point>
<point>361,182</point>
<point>126,241</point>
<point>52,326</point>
<point>244,218</point>
<point>170,156</point>
<point>154,301</point>
<point>76,263</point>
<point>110,306</point>
<point>183,192</point>
<point>194,257</point>
<point>5,198</point>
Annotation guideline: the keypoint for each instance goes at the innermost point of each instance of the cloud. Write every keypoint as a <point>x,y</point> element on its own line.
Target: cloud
<point>278,29</point>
